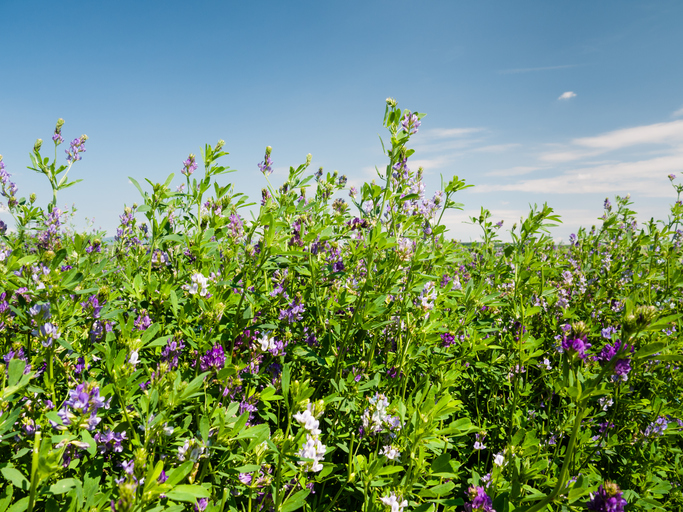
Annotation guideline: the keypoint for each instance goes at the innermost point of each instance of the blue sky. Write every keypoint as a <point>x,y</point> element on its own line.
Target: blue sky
<point>151,82</point>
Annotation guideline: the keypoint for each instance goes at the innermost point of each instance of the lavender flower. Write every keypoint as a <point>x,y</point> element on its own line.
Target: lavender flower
<point>109,441</point>
<point>189,166</point>
<point>266,166</point>
<point>142,322</point>
<point>657,427</point>
<point>171,352</point>
<point>84,401</point>
<point>410,123</point>
<point>73,154</point>
<point>293,313</point>
<point>57,137</point>
<point>46,334</point>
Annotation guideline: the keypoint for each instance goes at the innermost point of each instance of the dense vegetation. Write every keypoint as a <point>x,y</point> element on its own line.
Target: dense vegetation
<point>334,355</point>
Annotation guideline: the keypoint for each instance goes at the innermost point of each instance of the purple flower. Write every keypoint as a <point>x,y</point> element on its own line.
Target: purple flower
<point>266,166</point>
<point>171,351</point>
<point>410,123</point>
<point>92,306</point>
<point>480,501</point>
<point>623,364</point>
<point>108,441</point>
<point>447,339</point>
<point>189,166</point>
<point>293,313</point>
<point>85,401</point>
<point>201,504</point>
<point>576,346</point>
<point>143,322</point>
<point>657,427</point>
<point>607,499</point>
<point>214,359</point>
<point>77,147</point>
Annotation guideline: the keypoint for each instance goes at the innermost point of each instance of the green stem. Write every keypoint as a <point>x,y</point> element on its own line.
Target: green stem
<point>569,455</point>
<point>34,471</point>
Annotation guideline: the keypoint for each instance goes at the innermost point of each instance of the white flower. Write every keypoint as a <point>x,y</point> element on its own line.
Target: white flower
<point>390,452</point>
<point>394,502</point>
<point>267,342</point>
<point>133,359</point>
<point>308,421</point>
<point>605,402</point>
<point>312,449</point>
<point>198,285</point>
<point>499,459</point>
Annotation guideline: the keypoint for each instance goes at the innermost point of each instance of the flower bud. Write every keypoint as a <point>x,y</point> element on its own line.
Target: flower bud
<point>268,150</point>
<point>309,157</point>
<point>60,123</point>
<point>219,145</point>
<point>32,198</point>
<point>37,145</point>
<point>391,102</point>
<point>84,137</point>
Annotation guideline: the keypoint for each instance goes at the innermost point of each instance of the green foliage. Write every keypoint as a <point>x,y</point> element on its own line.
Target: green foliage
<point>327,356</point>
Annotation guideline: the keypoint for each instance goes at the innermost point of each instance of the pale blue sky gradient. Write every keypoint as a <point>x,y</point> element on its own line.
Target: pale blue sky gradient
<point>151,82</point>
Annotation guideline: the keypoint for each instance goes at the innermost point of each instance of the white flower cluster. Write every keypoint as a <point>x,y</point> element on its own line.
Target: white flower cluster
<point>390,452</point>
<point>394,502</point>
<point>198,285</point>
<point>375,418</point>
<point>315,450</point>
<point>427,296</point>
<point>267,343</point>
<point>312,449</point>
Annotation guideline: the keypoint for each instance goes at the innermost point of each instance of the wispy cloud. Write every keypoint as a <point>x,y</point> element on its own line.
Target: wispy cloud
<point>495,148</point>
<point>659,133</point>
<point>647,177</point>
<point>446,133</point>
<point>528,70</point>
<point>678,113</point>
<point>567,95</point>
<point>513,171</point>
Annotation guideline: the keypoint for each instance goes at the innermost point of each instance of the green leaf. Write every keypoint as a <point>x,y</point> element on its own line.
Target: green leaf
<point>195,490</point>
<point>6,497</point>
<point>16,370</point>
<point>286,372</point>
<point>178,474</point>
<point>390,470</point>
<point>20,505</point>
<point>296,502</point>
<point>437,490</point>
<point>15,477</point>
<point>650,349</point>
<point>62,486</point>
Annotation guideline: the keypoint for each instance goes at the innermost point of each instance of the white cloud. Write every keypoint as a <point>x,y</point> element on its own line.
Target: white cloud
<point>513,171</point>
<point>496,148</point>
<point>527,70</point>
<point>647,177</point>
<point>567,95</point>
<point>678,113</point>
<point>659,133</point>
<point>446,133</point>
